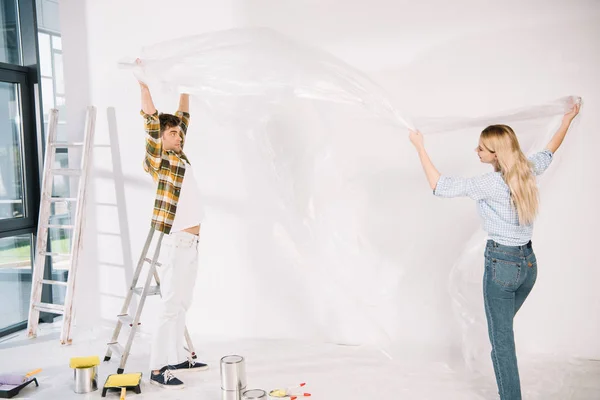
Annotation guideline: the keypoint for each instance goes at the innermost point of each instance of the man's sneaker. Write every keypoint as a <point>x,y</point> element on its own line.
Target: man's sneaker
<point>189,366</point>
<point>166,379</point>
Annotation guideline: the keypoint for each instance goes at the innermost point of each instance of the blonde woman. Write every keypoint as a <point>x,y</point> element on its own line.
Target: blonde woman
<point>507,201</point>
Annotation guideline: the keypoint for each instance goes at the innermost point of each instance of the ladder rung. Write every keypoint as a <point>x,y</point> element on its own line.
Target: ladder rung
<point>148,260</point>
<point>61,226</point>
<point>59,199</point>
<point>54,254</point>
<point>65,144</point>
<point>152,290</point>
<point>66,171</point>
<point>51,308</point>
<point>126,319</point>
<point>49,282</point>
<point>116,347</point>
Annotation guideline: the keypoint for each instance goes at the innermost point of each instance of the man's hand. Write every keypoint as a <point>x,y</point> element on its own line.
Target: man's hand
<point>147,103</point>
<point>139,63</point>
<point>184,102</point>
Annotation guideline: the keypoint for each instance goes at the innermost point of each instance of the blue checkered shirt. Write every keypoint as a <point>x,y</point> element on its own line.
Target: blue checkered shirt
<point>499,215</point>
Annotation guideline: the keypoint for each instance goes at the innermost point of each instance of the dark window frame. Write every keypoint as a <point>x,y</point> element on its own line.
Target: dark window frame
<point>27,76</point>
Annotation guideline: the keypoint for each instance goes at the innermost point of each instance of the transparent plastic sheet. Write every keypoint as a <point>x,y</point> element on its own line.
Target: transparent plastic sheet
<point>333,177</point>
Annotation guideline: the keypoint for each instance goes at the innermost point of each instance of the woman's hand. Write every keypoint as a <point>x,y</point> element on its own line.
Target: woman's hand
<point>416,138</point>
<point>431,172</point>
<point>560,134</point>
<point>570,115</point>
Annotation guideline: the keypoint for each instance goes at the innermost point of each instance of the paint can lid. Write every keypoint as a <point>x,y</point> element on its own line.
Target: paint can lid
<point>253,394</point>
<point>232,359</point>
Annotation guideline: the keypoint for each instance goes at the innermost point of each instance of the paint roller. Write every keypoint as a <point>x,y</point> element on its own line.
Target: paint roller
<point>16,379</point>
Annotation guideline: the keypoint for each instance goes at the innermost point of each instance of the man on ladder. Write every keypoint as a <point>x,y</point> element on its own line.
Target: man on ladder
<point>177,214</point>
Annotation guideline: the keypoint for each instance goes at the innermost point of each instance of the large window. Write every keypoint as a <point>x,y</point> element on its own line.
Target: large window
<point>19,169</point>
<point>10,36</point>
<point>12,190</point>
<point>15,278</point>
<point>53,85</point>
<point>53,96</point>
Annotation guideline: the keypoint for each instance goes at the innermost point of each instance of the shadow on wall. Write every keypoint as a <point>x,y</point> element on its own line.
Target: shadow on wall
<point>92,285</point>
<point>119,182</point>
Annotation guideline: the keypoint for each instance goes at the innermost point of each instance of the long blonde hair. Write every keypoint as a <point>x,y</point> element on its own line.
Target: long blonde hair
<point>515,169</point>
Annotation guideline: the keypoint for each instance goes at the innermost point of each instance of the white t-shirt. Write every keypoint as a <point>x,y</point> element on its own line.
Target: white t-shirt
<point>189,209</point>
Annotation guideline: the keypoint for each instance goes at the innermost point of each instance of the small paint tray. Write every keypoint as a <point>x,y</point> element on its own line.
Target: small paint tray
<point>10,391</point>
<point>116,382</point>
<point>272,396</point>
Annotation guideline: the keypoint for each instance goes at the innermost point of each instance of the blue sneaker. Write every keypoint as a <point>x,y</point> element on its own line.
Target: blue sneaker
<point>166,379</point>
<point>188,365</point>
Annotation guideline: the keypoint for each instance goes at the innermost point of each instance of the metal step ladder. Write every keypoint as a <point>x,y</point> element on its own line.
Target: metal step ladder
<point>149,289</point>
<point>76,227</point>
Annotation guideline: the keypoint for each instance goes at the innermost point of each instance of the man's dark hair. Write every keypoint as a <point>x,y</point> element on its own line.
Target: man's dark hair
<point>168,121</point>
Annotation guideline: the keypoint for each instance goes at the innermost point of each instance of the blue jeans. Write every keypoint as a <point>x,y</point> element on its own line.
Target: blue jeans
<point>510,273</point>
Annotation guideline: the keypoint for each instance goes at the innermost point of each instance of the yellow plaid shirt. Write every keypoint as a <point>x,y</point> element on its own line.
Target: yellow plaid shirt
<point>167,168</point>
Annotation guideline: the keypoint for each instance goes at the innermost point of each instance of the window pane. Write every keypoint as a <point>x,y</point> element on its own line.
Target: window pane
<point>47,96</point>
<point>60,242</point>
<point>47,13</point>
<point>11,163</point>
<point>45,55</point>
<point>61,184</point>
<point>58,73</point>
<point>57,42</point>
<point>61,131</point>
<point>62,111</point>
<point>10,42</point>
<point>15,279</point>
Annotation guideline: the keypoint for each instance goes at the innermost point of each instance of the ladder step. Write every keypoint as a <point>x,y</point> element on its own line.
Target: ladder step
<point>61,199</point>
<point>152,290</point>
<point>54,254</point>
<point>66,144</point>
<point>148,260</point>
<point>49,282</point>
<point>51,308</point>
<point>55,226</point>
<point>66,171</point>
<point>117,348</point>
<point>126,319</point>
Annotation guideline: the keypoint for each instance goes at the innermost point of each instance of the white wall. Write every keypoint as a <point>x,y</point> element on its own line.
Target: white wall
<point>466,58</point>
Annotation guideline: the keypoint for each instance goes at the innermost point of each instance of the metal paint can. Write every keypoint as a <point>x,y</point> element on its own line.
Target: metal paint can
<point>233,373</point>
<point>231,395</point>
<point>86,379</point>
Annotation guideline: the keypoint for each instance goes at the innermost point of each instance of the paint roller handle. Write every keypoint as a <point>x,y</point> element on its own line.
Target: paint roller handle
<point>292,388</point>
<point>295,397</point>
<point>34,372</point>
<point>123,393</point>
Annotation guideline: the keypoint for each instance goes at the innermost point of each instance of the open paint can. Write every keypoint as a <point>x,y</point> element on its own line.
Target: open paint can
<point>233,373</point>
<point>86,379</point>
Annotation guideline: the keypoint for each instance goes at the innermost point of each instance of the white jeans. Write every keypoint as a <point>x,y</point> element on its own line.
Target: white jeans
<point>177,274</point>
